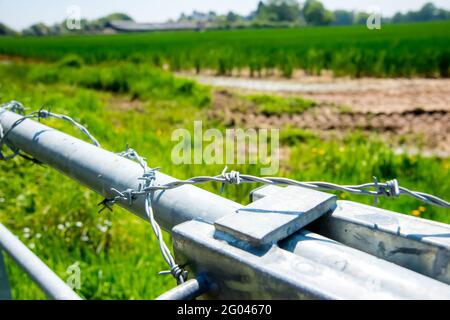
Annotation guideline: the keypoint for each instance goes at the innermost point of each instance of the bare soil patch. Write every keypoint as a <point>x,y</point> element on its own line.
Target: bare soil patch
<point>413,129</point>
<point>360,95</point>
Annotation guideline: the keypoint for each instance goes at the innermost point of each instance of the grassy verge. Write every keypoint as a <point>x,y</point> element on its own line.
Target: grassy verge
<point>270,105</point>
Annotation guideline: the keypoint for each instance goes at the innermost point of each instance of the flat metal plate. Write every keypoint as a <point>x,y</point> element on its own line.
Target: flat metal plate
<point>418,244</point>
<point>276,216</point>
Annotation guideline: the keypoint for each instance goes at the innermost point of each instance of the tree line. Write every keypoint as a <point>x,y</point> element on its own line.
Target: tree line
<point>312,12</point>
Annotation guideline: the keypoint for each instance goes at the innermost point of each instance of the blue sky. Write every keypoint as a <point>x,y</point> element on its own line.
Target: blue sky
<point>22,13</point>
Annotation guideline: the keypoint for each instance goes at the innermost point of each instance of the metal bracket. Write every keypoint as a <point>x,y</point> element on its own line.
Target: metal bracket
<point>277,216</point>
<point>308,266</point>
<point>245,272</point>
<point>417,244</point>
<point>301,266</point>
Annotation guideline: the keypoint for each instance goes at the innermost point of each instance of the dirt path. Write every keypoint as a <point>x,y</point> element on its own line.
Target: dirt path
<point>360,95</point>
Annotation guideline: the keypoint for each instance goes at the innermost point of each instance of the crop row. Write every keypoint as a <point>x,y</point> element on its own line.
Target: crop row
<point>395,50</point>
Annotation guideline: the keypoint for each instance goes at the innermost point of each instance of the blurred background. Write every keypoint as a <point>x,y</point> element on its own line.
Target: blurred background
<point>357,89</point>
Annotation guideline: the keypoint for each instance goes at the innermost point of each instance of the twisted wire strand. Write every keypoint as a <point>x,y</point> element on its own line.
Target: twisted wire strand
<point>149,179</point>
<point>376,189</point>
<point>13,106</point>
<point>40,114</point>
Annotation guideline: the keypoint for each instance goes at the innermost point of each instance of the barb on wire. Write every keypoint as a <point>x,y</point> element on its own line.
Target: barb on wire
<point>44,114</point>
<point>129,195</point>
<point>13,106</point>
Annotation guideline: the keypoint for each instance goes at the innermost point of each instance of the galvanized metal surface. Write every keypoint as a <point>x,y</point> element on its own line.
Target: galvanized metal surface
<point>44,277</point>
<point>277,216</point>
<point>245,272</point>
<point>101,170</point>
<point>414,243</point>
<point>187,291</point>
<point>5,290</point>
<point>417,244</point>
<point>364,268</point>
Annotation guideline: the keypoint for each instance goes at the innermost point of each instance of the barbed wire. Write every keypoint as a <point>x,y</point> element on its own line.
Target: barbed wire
<point>148,179</point>
<point>14,106</point>
<point>149,186</point>
<point>387,189</point>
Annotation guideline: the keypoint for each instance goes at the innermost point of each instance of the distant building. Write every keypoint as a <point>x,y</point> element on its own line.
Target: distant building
<point>131,26</point>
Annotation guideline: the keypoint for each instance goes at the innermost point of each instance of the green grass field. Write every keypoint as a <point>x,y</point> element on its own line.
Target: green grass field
<point>395,50</point>
<point>122,97</point>
<point>120,260</point>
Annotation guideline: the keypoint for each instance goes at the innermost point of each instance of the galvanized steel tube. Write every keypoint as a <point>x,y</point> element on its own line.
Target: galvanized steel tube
<point>44,277</point>
<point>101,170</point>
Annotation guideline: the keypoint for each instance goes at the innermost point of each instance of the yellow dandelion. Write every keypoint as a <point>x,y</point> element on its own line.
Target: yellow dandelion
<point>321,152</point>
<point>422,209</point>
<point>447,165</point>
<point>415,213</point>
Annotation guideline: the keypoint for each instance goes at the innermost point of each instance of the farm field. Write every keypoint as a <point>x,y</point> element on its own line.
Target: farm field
<point>124,90</point>
<point>415,109</point>
<point>395,51</point>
